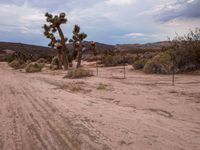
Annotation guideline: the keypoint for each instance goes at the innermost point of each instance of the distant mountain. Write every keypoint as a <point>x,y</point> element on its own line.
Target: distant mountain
<point>25,47</point>
<point>149,46</point>
<point>41,51</point>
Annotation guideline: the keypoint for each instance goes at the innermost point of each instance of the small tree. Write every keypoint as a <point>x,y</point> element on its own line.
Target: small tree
<point>77,40</point>
<point>53,26</point>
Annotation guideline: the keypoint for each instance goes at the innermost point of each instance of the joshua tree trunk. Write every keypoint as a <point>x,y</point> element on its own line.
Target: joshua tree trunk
<point>59,59</point>
<point>64,49</point>
<point>80,53</point>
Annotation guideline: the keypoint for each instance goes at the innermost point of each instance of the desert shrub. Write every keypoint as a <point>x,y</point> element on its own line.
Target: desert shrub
<point>42,60</point>
<point>149,55</point>
<point>47,57</point>
<point>108,60</point>
<point>9,58</point>
<point>101,86</point>
<point>54,63</point>
<point>161,64</point>
<point>34,67</point>
<point>112,60</point>
<point>28,62</point>
<point>139,64</point>
<point>78,73</point>
<point>116,59</point>
<point>187,51</point>
<point>17,64</point>
<point>129,59</point>
<point>91,58</point>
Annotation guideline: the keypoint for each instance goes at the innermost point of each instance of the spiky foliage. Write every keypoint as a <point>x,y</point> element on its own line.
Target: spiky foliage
<point>53,26</point>
<point>93,47</point>
<point>77,40</point>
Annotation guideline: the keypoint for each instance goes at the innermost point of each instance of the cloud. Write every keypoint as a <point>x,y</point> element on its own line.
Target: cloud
<point>23,18</point>
<point>119,2</point>
<point>108,21</point>
<point>134,34</point>
<point>181,9</point>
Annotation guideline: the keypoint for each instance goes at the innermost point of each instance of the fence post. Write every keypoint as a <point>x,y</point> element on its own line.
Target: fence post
<point>97,69</point>
<point>124,68</point>
<point>173,71</point>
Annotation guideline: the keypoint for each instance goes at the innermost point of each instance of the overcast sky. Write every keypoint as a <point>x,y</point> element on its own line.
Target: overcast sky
<point>107,21</point>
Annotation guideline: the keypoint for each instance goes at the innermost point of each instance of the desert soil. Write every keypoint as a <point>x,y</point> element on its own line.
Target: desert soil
<point>43,111</point>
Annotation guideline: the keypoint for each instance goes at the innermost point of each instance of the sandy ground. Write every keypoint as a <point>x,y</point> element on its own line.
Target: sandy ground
<point>43,111</point>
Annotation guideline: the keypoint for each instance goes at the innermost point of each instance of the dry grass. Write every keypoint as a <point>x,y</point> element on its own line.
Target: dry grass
<point>102,86</point>
<point>75,87</point>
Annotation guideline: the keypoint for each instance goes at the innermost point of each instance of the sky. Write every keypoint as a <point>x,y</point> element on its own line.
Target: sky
<point>105,21</point>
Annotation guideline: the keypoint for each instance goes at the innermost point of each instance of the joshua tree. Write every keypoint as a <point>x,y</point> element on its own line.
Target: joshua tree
<point>79,47</point>
<point>53,26</point>
<point>93,47</point>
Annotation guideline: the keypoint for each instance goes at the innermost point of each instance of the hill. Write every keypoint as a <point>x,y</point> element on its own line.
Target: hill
<point>25,47</point>
<point>7,48</point>
<point>34,49</point>
<point>158,46</point>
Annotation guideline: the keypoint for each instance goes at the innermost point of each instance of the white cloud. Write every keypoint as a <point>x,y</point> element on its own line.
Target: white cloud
<point>134,34</point>
<point>109,21</point>
<point>190,1</point>
<point>23,18</point>
<point>119,2</point>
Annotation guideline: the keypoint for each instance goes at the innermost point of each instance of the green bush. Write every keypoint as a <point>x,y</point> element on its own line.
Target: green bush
<point>160,64</point>
<point>34,67</point>
<point>115,59</point>
<point>17,64</point>
<point>139,64</point>
<point>112,60</point>
<point>79,73</point>
<point>108,60</point>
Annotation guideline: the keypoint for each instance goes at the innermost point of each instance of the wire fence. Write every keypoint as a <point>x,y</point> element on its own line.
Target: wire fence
<point>122,72</point>
<point>118,72</point>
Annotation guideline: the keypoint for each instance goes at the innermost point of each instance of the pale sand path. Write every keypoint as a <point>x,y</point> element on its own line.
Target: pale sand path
<point>143,112</point>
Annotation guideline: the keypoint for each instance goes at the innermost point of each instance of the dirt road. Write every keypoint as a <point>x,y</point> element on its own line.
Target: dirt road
<point>144,112</point>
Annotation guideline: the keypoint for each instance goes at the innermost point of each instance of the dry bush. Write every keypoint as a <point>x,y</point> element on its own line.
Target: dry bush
<point>102,86</point>
<point>79,73</point>
<point>112,60</point>
<point>42,60</point>
<point>54,63</point>
<point>17,64</point>
<point>76,88</point>
<point>139,64</point>
<point>34,67</point>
